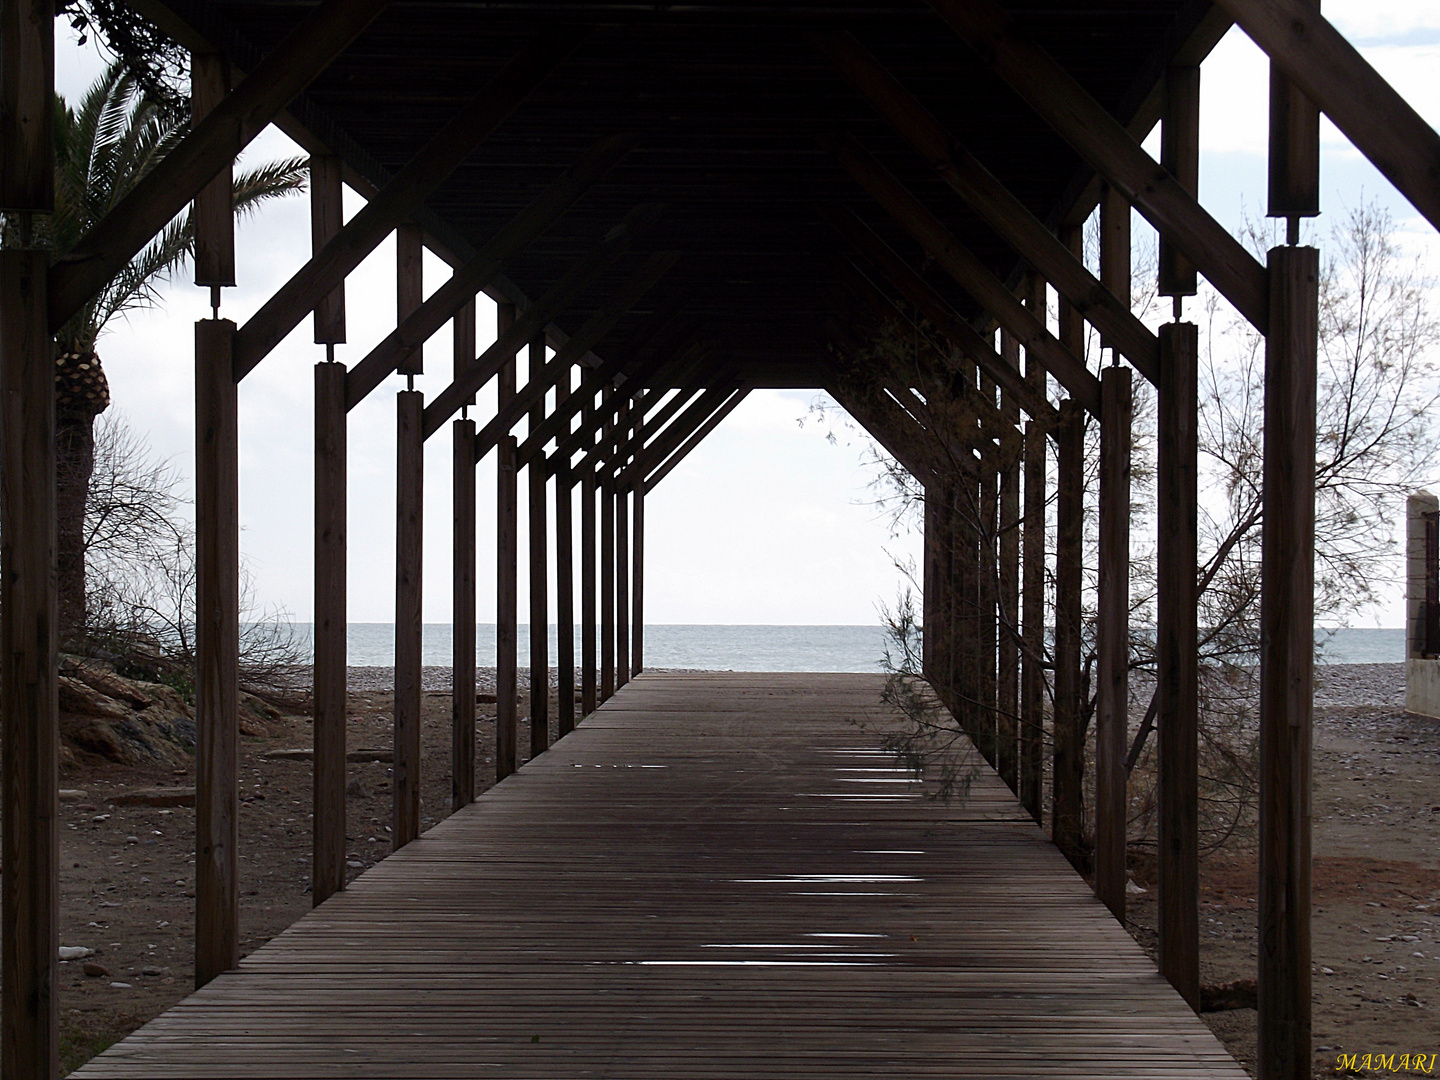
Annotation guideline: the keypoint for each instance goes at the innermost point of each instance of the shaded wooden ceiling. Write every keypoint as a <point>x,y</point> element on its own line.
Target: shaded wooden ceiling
<point>727,100</point>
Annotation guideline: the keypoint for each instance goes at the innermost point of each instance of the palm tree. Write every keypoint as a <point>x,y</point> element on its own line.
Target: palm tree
<point>103,147</point>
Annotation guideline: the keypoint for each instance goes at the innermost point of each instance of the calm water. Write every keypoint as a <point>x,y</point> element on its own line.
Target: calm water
<point>771,648</point>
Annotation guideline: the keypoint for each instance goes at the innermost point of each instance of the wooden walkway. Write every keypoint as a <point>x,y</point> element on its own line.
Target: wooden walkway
<point>716,875</point>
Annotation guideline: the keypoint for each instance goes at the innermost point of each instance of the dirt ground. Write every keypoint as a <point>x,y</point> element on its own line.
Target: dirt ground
<point>128,872</point>
<point>128,877</point>
<point>1376,914</point>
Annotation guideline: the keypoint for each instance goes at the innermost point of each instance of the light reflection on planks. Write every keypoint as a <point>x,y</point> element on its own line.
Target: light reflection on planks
<point>715,875</point>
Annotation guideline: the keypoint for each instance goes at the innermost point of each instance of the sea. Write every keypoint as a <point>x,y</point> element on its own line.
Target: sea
<point>768,647</point>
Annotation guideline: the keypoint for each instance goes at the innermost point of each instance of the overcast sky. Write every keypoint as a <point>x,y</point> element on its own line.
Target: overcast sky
<point>768,521</point>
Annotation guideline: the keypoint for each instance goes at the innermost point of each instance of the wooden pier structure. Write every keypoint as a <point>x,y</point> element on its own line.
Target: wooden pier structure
<point>714,876</point>
<point>672,205</point>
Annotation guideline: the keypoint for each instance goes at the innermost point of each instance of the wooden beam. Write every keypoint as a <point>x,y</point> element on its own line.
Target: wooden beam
<point>327,218</point>
<point>681,428</point>
<point>27,105</point>
<point>580,276</point>
<point>882,419</point>
<point>1180,157</point>
<point>410,290</point>
<point>966,269</point>
<point>539,563</point>
<point>1287,658</point>
<point>1100,139</point>
<point>1294,157</point>
<point>29,687</point>
<point>1177,689</point>
<point>993,202</point>
<point>482,269</point>
<point>572,352</point>
<point>212,143</point>
<point>399,199</point>
<point>1114,252</point>
<point>1331,72</point>
<point>1068,764</point>
<point>213,213</point>
<point>1112,672</point>
<point>506,556</point>
<point>217,652</point>
<point>602,456</point>
<point>695,439</point>
<point>930,304</point>
<point>409,625</point>
<point>463,616</point>
<point>564,584</point>
<point>327,874</point>
<point>637,584</point>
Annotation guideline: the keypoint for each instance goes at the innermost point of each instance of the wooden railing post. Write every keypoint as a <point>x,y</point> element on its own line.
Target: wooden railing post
<point>1068,760</point>
<point>29,904</point>
<point>1177,687</point>
<point>537,472</point>
<point>1113,640</point>
<point>1287,635</point>
<point>327,874</point>
<point>409,628</point>
<point>217,652</point>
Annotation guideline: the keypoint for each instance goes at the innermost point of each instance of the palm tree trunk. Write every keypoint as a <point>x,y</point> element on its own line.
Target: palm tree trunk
<point>81,393</point>
<point>74,462</point>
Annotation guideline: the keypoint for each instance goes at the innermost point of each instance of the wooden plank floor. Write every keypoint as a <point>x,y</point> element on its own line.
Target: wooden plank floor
<point>716,875</point>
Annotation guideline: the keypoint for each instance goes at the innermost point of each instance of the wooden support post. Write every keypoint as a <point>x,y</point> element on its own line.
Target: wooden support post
<point>929,623</point>
<point>1180,156</point>
<point>462,581</point>
<point>1286,664</point>
<point>987,595</point>
<point>1113,645</point>
<point>539,575</point>
<point>622,557</point>
<point>463,616</point>
<point>607,589</point>
<point>1032,654</point>
<point>637,584</point>
<point>327,873</point>
<point>564,583</point>
<point>328,780</point>
<point>213,214</point>
<point>1068,762</point>
<point>1032,621</point>
<point>506,556</point>
<point>589,586</point>
<point>1007,734</point>
<point>217,652</point>
<point>1177,687</point>
<point>29,903</point>
<point>409,628</point>
<point>27,110</point>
